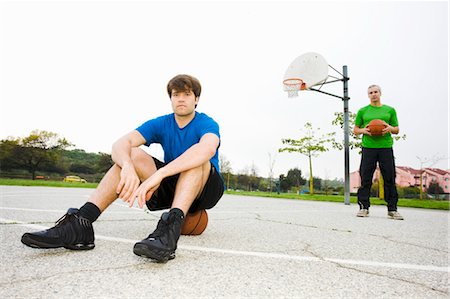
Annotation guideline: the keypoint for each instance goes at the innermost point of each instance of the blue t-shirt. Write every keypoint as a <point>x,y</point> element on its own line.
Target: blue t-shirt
<point>174,140</point>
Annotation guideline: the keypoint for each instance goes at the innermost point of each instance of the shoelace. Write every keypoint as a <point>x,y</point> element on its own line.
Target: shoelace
<point>62,220</point>
<point>66,218</point>
<point>62,231</point>
<point>162,227</point>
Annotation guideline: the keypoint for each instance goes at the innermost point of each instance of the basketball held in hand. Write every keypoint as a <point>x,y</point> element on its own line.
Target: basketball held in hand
<point>195,223</point>
<point>376,127</point>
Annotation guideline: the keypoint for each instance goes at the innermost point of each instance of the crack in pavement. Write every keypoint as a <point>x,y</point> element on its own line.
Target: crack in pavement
<point>58,274</point>
<point>393,278</point>
<point>258,217</point>
<point>407,243</point>
<point>310,251</point>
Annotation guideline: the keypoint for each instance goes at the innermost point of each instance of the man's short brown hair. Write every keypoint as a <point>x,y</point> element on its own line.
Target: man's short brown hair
<point>183,83</point>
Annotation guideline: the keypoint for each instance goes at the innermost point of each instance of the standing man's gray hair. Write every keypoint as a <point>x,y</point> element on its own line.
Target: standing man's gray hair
<point>374,85</point>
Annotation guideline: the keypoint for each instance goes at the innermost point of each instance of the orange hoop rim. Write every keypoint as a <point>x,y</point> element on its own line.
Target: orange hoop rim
<point>292,82</point>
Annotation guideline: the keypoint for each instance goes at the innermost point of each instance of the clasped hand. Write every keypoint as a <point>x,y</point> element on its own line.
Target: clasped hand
<point>129,189</point>
<point>145,191</point>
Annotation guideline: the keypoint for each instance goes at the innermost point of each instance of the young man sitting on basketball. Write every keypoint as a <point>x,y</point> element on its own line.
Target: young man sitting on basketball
<point>188,181</point>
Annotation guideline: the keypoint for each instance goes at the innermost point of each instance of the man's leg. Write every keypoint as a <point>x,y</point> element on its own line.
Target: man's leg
<point>162,243</point>
<point>387,167</point>
<point>189,186</point>
<point>74,230</point>
<point>366,170</point>
<point>105,194</point>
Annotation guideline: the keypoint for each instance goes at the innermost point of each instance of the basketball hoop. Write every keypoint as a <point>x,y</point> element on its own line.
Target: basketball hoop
<point>293,86</point>
<point>311,67</point>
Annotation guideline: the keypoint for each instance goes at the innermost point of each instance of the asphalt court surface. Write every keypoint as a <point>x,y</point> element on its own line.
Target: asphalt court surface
<point>252,248</point>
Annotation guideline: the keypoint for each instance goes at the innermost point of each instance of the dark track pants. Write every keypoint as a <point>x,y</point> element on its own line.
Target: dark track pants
<point>385,159</point>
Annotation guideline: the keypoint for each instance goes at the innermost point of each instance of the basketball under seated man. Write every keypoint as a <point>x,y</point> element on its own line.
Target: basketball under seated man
<point>188,181</point>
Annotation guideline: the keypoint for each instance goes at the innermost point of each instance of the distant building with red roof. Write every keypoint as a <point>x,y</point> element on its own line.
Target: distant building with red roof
<point>409,177</point>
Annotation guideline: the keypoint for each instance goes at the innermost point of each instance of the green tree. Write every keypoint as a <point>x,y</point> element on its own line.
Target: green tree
<point>354,140</point>
<point>104,162</point>
<point>248,178</point>
<point>294,179</point>
<point>317,183</point>
<point>282,183</point>
<point>41,149</point>
<point>7,148</point>
<point>434,188</point>
<point>243,181</point>
<point>81,168</point>
<point>310,145</point>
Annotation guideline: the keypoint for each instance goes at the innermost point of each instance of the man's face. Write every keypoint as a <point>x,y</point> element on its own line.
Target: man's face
<point>183,102</point>
<point>374,94</point>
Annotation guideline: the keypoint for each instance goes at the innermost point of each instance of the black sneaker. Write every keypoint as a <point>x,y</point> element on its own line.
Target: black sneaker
<point>71,231</point>
<point>162,243</point>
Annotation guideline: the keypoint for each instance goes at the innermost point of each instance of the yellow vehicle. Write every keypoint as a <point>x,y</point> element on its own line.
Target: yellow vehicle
<point>73,179</point>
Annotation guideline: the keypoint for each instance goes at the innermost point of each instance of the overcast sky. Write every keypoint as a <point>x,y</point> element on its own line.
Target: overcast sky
<point>92,71</point>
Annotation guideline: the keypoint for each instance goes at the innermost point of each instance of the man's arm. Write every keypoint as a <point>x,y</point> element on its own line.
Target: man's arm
<point>358,131</point>
<point>121,155</point>
<point>195,156</point>
<point>121,149</point>
<point>358,123</point>
<point>393,120</point>
<point>391,129</point>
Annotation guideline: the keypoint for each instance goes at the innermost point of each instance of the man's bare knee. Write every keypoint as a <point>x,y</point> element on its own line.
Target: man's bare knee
<point>139,156</point>
<point>198,170</point>
<point>143,163</point>
<point>199,174</point>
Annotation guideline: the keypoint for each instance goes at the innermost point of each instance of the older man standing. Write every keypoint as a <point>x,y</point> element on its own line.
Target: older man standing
<point>377,149</point>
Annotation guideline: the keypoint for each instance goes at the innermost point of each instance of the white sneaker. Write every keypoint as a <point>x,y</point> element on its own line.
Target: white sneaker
<point>395,215</point>
<point>363,213</point>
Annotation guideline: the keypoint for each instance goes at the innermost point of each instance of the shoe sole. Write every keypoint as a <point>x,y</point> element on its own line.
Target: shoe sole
<point>392,217</point>
<point>161,256</point>
<point>26,240</point>
<point>80,246</point>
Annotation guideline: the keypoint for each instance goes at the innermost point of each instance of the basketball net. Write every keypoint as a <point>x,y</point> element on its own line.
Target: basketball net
<point>293,86</point>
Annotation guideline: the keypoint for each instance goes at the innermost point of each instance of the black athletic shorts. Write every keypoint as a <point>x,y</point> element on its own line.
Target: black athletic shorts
<point>163,197</point>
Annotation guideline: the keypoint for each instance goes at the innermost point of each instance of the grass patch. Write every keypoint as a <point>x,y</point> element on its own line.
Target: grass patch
<point>402,202</point>
<point>43,183</point>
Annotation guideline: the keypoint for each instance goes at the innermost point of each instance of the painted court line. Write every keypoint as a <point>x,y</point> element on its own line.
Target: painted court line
<point>60,211</point>
<point>261,254</point>
<point>32,210</point>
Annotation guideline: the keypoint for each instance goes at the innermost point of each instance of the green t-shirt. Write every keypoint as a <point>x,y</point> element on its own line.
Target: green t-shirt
<point>368,113</point>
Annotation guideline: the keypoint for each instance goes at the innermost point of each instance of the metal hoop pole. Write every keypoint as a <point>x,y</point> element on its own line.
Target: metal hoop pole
<point>346,142</point>
<point>345,99</point>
